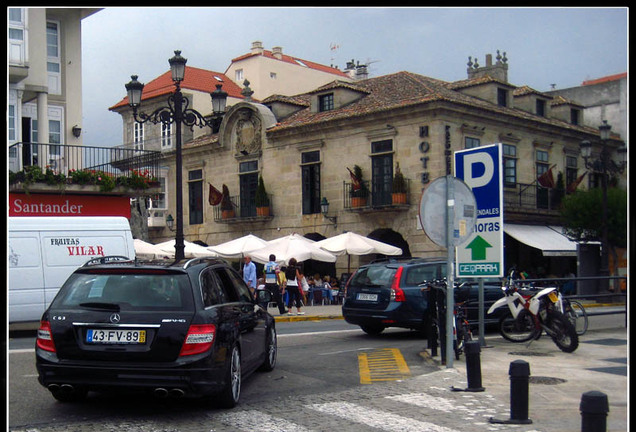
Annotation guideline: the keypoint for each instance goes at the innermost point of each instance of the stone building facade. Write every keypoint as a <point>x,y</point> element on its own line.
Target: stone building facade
<point>304,145</point>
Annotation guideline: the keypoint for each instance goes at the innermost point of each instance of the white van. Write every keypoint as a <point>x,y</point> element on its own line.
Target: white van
<point>44,251</point>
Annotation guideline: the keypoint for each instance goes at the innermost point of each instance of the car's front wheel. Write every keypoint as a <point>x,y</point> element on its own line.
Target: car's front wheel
<point>229,397</point>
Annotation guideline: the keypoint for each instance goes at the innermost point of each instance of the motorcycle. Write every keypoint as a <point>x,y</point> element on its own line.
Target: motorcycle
<point>530,315</point>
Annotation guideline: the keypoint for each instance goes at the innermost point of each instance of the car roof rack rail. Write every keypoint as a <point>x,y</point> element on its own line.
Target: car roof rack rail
<point>109,259</point>
<point>194,261</point>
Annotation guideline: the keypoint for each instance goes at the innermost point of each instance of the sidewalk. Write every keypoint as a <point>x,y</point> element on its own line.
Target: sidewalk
<point>312,313</point>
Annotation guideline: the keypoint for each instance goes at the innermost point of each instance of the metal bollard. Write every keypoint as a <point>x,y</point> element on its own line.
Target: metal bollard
<point>473,367</point>
<point>594,408</point>
<point>519,382</point>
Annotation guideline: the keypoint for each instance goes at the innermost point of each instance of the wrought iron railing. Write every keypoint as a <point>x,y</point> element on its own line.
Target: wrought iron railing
<point>532,196</point>
<point>243,209</point>
<point>375,196</point>
<point>61,159</point>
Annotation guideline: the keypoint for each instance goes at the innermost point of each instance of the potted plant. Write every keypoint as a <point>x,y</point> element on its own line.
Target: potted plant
<point>227,208</point>
<point>398,194</point>
<point>359,195</point>
<point>262,200</point>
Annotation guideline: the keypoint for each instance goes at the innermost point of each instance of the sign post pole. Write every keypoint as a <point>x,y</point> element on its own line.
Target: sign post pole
<point>450,247</point>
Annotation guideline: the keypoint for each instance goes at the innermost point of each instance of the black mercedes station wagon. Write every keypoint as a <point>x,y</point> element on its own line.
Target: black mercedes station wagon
<point>188,328</point>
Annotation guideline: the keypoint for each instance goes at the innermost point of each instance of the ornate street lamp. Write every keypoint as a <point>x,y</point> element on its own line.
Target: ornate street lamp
<point>605,166</point>
<point>324,208</point>
<point>177,112</point>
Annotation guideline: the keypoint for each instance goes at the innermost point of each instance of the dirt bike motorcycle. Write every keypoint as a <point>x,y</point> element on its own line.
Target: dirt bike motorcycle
<point>530,315</point>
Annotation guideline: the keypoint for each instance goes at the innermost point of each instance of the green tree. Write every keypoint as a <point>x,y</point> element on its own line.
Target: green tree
<point>582,217</point>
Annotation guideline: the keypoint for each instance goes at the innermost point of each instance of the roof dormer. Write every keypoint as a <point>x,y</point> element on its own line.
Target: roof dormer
<point>284,106</point>
<point>335,95</point>
<point>566,110</point>
<point>529,100</point>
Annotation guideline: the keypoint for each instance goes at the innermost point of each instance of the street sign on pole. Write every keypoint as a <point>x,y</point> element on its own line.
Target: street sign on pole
<point>481,169</point>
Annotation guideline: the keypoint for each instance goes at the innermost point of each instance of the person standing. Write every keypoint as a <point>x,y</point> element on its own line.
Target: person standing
<point>249,273</point>
<point>293,286</point>
<point>271,271</point>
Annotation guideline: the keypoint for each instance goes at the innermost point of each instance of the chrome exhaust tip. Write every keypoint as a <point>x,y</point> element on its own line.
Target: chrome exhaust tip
<point>67,388</point>
<point>53,387</point>
<point>161,392</point>
<point>176,393</point>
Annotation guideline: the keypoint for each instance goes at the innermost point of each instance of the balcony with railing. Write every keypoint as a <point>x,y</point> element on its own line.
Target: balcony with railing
<point>375,197</point>
<point>243,210</point>
<point>65,166</point>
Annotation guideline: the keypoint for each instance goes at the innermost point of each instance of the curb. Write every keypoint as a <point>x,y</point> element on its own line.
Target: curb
<point>286,318</point>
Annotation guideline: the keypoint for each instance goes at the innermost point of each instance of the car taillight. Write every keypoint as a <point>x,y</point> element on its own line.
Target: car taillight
<point>397,293</point>
<point>45,337</point>
<point>199,339</point>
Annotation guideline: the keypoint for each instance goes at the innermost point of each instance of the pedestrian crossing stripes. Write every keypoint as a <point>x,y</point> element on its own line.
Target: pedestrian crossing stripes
<point>378,419</point>
<point>461,412</point>
<point>382,365</point>
<point>253,420</point>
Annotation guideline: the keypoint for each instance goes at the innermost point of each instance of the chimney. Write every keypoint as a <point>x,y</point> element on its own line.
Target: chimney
<point>277,52</point>
<point>361,72</point>
<point>257,47</point>
<point>498,71</point>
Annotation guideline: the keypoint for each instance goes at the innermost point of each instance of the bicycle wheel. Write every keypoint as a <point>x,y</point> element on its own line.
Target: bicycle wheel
<point>577,316</point>
<point>520,329</point>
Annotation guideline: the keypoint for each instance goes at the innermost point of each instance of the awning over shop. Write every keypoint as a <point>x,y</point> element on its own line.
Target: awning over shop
<point>548,239</point>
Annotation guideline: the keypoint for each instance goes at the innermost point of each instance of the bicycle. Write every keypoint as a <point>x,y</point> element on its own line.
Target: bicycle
<point>461,326</point>
<point>575,312</point>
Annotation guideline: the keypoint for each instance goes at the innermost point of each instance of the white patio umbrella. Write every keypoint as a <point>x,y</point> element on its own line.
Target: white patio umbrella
<point>149,251</point>
<point>192,250</point>
<point>291,246</point>
<point>351,243</point>
<point>237,248</point>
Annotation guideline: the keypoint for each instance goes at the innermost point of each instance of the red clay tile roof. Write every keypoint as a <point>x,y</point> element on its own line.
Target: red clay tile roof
<point>605,79</point>
<point>402,90</point>
<point>194,79</point>
<point>295,61</point>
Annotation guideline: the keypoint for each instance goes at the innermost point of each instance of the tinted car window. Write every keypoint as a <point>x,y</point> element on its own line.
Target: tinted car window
<point>374,275</point>
<point>417,275</point>
<point>240,286</point>
<point>144,291</point>
<point>211,290</point>
<point>227,285</point>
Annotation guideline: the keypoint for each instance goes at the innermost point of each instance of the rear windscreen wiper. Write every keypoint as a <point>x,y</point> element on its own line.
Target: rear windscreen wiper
<point>97,305</point>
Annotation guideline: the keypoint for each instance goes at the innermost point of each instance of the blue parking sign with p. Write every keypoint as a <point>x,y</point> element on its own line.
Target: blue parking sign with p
<point>481,169</point>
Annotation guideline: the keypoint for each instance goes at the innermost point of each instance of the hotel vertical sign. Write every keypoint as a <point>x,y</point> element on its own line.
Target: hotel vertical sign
<point>481,169</point>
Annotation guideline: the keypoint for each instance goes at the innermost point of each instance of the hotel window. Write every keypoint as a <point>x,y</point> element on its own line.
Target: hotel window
<point>310,172</point>
<point>381,172</point>
<point>471,142</point>
<point>238,75</point>
<point>325,102</point>
<point>510,165</point>
<point>248,183</point>
<point>17,32</point>
<point>138,136</point>
<point>571,169</point>
<point>540,107</point>
<point>55,130</point>
<point>166,136</point>
<point>195,196</point>
<point>502,97</point>
<point>542,162</point>
<point>53,57</point>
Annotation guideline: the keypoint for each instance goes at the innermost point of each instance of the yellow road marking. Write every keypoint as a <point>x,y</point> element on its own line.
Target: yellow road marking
<point>386,364</point>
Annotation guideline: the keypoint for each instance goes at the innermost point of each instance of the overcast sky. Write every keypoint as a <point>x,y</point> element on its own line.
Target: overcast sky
<point>544,46</point>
